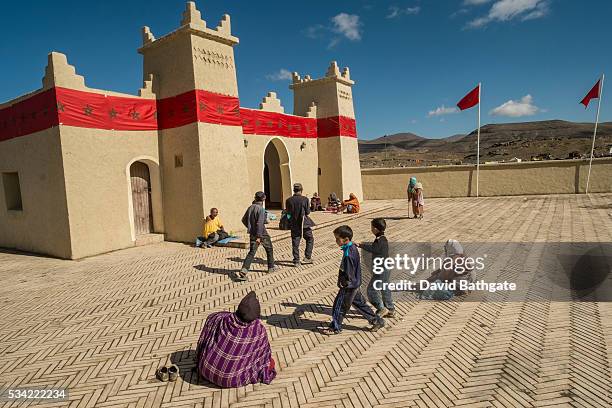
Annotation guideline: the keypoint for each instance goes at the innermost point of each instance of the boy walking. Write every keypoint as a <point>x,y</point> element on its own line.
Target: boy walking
<point>380,299</point>
<point>349,281</point>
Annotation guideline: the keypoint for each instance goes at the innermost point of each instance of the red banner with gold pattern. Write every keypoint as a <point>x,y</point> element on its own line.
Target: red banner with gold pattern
<point>336,126</point>
<point>31,115</point>
<point>99,111</point>
<point>260,122</point>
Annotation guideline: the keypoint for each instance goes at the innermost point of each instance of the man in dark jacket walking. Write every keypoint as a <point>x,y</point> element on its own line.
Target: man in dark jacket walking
<point>298,208</point>
<point>254,219</point>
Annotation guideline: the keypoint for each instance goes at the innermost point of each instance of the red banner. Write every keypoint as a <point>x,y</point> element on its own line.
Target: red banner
<point>219,109</point>
<point>336,126</point>
<point>260,122</point>
<point>177,110</point>
<point>98,111</point>
<point>31,115</point>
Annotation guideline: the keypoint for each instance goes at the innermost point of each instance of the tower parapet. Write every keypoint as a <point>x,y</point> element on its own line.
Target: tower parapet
<point>271,103</point>
<point>59,73</point>
<point>330,100</point>
<point>332,93</point>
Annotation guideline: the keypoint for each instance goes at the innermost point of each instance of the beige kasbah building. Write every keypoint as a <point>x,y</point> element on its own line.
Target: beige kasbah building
<point>87,171</point>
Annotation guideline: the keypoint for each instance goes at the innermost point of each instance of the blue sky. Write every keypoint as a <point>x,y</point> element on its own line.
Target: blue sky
<point>412,60</point>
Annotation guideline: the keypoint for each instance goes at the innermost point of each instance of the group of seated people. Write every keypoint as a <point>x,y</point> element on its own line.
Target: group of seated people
<point>335,205</point>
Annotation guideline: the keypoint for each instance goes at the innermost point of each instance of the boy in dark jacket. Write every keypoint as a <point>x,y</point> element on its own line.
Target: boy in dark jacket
<point>379,249</point>
<point>349,281</point>
<point>254,219</point>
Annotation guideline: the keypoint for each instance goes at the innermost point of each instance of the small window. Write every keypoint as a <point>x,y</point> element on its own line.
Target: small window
<point>178,160</point>
<point>12,191</point>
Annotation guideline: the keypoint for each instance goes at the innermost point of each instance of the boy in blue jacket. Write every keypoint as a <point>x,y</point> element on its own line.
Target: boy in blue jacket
<point>349,281</point>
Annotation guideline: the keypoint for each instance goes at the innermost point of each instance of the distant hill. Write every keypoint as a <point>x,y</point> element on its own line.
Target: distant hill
<point>550,139</point>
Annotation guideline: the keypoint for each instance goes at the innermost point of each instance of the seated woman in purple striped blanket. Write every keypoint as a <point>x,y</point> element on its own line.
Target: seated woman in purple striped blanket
<point>233,350</point>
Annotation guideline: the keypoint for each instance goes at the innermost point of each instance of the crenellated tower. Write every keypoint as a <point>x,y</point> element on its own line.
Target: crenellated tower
<point>193,74</point>
<point>330,100</point>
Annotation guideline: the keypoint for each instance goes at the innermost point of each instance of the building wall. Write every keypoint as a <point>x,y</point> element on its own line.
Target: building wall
<point>223,166</point>
<point>302,163</point>
<point>546,177</point>
<point>42,226</point>
<point>182,186</point>
<point>98,190</point>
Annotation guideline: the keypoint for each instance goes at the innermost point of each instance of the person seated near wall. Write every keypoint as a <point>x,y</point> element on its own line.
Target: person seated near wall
<point>454,269</point>
<point>351,205</point>
<point>212,230</point>
<point>333,203</point>
<point>315,202</point>
<point>233,349</point>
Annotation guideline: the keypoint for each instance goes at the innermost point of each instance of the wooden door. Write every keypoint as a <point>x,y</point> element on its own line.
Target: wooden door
<point>141,198</point>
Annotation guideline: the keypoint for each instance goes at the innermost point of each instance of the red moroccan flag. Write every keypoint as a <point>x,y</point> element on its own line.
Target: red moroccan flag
<point>471,99</point>
<point>593,94</point>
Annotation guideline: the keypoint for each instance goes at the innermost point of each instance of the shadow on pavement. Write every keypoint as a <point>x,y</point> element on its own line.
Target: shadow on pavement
<point>185,360</point>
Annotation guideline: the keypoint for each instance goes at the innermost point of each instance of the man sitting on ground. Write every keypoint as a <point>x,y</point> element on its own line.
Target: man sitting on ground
<point>315,203</point>
<point>212,227</point>
<point>351,205</point>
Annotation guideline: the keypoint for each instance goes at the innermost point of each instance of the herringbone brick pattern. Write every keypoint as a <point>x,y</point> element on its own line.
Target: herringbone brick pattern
<point>102,326</point>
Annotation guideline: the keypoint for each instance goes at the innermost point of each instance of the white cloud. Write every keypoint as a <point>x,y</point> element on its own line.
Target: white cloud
<point>442,110</point>
<point>341,26</point>
<point>348,25</point>
<point>395,11</point>
<point>474,2</point>
<point>281,75</point>
<point>516,109</point>
<point>506,10</point>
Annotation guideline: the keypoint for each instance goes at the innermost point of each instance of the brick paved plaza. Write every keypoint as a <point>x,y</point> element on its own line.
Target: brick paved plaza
<point>103,325</point>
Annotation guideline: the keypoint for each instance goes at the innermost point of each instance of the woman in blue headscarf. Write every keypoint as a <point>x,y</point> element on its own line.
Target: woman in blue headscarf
<point>412,197</point>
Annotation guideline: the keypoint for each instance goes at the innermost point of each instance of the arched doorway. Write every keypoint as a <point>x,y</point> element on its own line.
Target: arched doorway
<point>276,174</point>
<point>140,180</point>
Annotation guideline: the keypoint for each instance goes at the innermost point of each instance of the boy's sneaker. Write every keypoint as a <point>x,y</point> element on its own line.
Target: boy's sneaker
<point>391,313</point>
<point>307,261</point>
<point>296,264</point>
<point>328,331</point>
<point>382,312</point>
<point>275,268</point>
<point>239,276</point>
<point>376,326</point>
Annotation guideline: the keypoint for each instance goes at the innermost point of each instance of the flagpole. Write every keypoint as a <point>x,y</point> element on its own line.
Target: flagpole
<point>478,142</point>
<point>595,132</point>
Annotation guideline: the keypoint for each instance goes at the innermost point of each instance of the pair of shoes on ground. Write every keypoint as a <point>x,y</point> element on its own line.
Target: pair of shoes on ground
<point>170,373</point>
